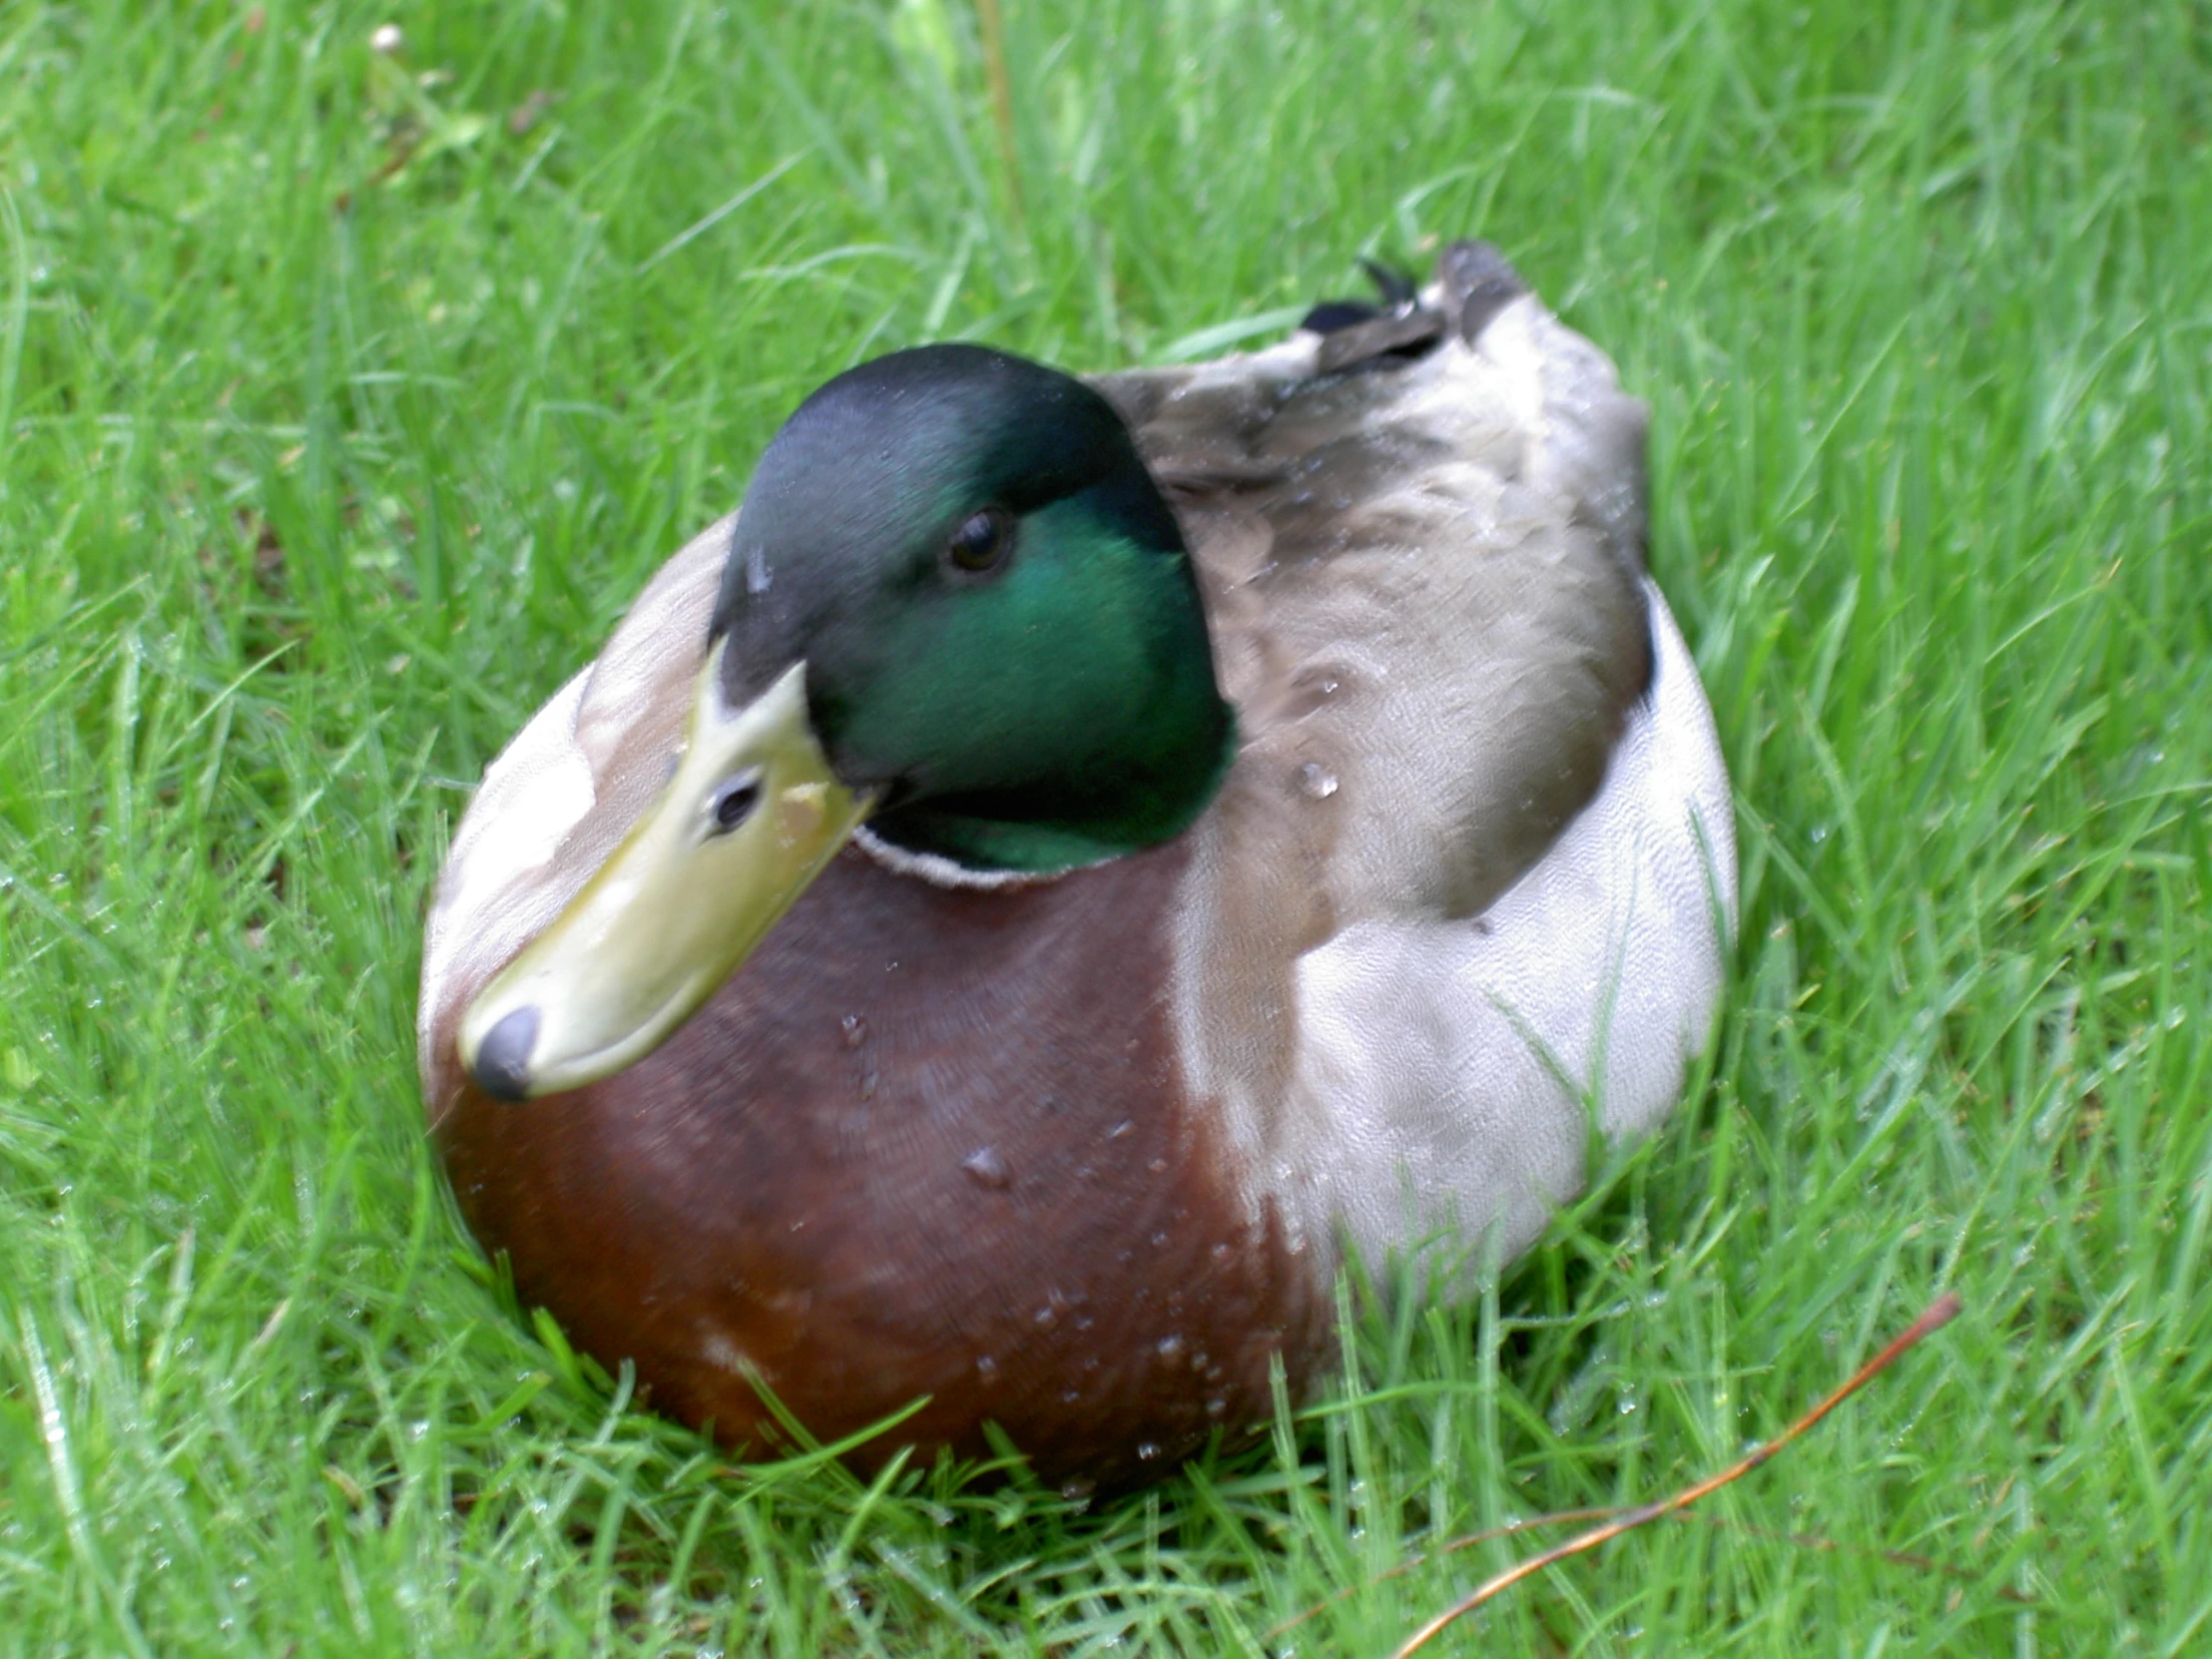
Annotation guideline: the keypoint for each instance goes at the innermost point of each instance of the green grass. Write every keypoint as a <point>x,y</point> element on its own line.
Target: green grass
<point>318,470</point>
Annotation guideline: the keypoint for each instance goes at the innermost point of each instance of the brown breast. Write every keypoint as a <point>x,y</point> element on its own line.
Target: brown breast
<point>926,1142</point>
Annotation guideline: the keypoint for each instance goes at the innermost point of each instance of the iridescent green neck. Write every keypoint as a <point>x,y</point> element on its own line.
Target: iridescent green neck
<point>1106,733</point>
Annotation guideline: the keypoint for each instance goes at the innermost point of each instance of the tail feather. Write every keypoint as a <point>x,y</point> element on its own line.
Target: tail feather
<point>1474,281</point>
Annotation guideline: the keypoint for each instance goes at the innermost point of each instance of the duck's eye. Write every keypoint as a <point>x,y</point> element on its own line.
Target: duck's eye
<point>733,802</point>
<point>982,541</point>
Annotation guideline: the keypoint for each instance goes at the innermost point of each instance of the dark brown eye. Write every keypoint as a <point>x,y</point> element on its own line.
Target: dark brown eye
<point>982,541</point>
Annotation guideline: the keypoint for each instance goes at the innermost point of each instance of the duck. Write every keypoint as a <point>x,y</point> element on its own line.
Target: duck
<point>1072,867</point>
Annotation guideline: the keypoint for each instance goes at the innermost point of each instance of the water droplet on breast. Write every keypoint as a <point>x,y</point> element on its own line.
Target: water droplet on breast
<point>985,1367</point>
<point>1316,782</point>
<point>855,1030</point>
<point>1170,1345</point>
<point>987,1167</point>
<point>1148,1449</point>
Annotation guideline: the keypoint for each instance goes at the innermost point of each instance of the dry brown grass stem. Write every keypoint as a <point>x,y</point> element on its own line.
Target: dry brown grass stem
<point>1941,1313</point>
<point>993,26</point>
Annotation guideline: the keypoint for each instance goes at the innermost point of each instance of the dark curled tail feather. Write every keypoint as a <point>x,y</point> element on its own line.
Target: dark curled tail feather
<point>1476,279</point>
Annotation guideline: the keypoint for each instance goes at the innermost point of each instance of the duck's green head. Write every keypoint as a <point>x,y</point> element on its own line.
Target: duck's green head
<point>955,606</point>
<point>1001,637</point>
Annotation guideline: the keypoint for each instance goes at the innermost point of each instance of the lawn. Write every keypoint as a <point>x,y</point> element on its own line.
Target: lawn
<point>348,396</point>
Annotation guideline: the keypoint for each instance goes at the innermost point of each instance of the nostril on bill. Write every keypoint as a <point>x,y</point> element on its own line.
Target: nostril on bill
<point>503,1058</point>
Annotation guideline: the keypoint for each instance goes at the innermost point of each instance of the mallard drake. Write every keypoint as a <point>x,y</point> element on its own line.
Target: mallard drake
<point>1069,864</point>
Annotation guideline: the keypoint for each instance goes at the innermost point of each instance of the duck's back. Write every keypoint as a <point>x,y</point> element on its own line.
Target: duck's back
<point>1467,892</point>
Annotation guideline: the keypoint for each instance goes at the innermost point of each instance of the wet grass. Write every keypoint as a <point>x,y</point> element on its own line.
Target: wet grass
<point>345,400</point>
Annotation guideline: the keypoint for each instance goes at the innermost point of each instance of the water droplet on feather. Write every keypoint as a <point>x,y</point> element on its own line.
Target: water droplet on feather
<point>987,1167</point>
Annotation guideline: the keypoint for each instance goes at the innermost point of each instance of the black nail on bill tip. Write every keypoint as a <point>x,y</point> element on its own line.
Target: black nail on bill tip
<point>503,1060</point>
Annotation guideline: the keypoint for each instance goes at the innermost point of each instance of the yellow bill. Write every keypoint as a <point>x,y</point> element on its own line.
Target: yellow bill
<point>751,816</point>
